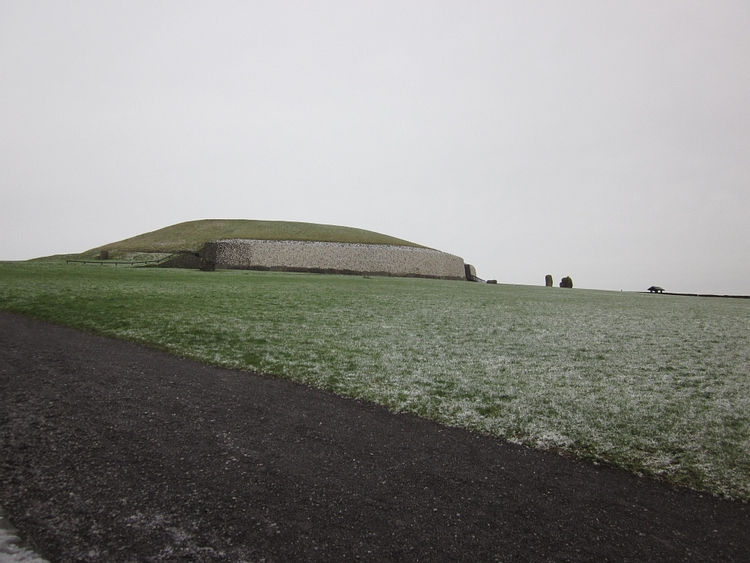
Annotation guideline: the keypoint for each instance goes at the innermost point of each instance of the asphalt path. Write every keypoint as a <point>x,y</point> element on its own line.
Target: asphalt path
<point>112,452</point>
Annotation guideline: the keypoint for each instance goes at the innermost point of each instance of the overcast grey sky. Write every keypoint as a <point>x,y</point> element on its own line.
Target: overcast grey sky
<point>608,141</point>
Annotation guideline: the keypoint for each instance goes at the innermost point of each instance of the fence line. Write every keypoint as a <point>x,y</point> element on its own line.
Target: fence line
<point>120,262</point>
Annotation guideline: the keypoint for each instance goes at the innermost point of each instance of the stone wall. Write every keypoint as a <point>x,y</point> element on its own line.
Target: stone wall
<point>188,260</point>
<point>332,257</point>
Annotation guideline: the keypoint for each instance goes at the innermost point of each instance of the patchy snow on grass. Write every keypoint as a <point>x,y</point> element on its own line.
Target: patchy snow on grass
<point>653,383</point>
<point>12,549</point>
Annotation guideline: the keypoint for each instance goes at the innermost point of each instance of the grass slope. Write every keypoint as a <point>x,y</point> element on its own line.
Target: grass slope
<point>655,384</point>
<point>191,235</point>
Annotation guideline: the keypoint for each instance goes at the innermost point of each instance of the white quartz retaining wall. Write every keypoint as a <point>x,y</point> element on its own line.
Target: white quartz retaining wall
<point>333,257</point>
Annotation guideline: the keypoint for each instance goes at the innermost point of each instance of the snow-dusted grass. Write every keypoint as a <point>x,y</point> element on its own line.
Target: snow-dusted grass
<point>12,549</point>
<point>12,552</point>
<point>653,383</point>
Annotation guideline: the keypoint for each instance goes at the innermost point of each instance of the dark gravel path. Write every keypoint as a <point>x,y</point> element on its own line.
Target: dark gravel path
<point>112,452</point>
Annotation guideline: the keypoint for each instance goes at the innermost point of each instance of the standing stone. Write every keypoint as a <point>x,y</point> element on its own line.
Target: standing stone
<point>566,282</point>
<point>548,280</point>
<point>208,256</point>
<point>104,255</point>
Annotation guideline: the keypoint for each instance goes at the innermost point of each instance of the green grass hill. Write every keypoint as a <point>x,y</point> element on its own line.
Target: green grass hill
<point>192,235</point>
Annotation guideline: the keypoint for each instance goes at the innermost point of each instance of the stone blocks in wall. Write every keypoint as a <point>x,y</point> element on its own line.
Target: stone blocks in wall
<point>333,257</point>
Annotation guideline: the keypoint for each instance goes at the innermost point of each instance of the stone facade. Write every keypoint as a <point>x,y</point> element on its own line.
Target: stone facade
<point>331,257</point>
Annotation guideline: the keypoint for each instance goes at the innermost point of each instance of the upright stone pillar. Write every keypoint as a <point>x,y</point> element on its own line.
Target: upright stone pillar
<point>207,257</point>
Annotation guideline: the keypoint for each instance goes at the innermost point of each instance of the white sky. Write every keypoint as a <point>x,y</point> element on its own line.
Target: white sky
<point>607,141</point>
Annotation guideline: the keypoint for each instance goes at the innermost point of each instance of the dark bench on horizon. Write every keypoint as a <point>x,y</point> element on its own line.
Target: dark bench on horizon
<point>655,289</point>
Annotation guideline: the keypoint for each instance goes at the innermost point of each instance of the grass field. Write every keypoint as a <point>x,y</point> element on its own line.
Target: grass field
<point>656,384</point>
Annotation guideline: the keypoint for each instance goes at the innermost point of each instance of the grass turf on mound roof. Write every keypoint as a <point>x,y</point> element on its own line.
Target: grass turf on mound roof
<point>192,235</point>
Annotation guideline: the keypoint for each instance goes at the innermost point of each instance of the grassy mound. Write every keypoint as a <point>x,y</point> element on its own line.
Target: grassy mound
<point>192,235</point>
